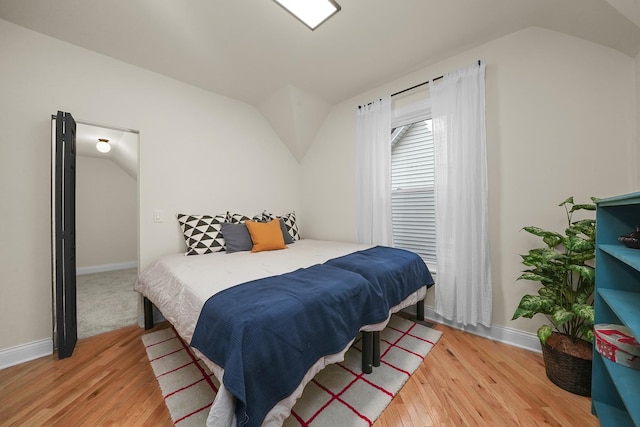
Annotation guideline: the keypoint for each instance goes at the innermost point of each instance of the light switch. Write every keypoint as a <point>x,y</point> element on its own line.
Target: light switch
<point>157,216</point>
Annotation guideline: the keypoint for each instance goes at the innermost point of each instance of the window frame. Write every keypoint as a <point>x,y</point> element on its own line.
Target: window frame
<point>406,115</point>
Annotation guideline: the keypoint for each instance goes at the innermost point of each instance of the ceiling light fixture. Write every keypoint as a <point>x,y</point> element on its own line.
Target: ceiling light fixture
<point>312,13</point>
<point>103,145</point>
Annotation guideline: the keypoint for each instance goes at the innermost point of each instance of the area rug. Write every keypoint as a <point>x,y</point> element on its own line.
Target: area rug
<point>340,394</point>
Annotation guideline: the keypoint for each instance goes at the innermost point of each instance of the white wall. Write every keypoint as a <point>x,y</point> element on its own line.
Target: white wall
<point>560,122</point>
<point>637,110</point>
<point>199,153</point>
<point>106,214</point>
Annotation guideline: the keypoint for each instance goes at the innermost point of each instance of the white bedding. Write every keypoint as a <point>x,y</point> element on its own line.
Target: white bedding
<point>180,285</point>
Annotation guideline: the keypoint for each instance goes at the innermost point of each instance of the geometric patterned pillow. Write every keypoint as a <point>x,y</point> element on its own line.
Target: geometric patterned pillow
<point>240,219</point>
<point>259,218</point>
<point>291,225</point>
<point>236,218</point>
<point>202,233</point>
<point>289,222</point>
<point>267,216</point>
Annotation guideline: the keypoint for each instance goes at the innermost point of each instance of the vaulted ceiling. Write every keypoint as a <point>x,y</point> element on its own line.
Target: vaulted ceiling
<point>124,146</point>
<point>253,51</point>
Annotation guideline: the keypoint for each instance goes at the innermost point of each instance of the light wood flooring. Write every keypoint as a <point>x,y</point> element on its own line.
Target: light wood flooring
<point>465,381</point>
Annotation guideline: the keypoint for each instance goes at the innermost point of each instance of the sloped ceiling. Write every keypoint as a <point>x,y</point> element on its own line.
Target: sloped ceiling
<point>629,8</point>
<point>295,116</point>
<point>124,146</point>
<point>254,51</point>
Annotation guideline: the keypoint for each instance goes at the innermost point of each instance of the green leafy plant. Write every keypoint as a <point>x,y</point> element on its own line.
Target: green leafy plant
<point>564,269</point>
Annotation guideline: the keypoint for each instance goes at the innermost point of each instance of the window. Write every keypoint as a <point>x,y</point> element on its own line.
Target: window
<point>412,189</point>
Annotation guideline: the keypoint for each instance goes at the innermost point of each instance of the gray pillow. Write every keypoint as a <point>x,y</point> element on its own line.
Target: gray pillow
<point>285,233</point>
<point>236,237</point>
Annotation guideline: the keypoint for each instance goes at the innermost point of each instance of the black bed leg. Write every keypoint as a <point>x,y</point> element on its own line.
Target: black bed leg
<point>420,310</point>
<point>367,352</point>
<point>148,314</point>
<point>376,348</point>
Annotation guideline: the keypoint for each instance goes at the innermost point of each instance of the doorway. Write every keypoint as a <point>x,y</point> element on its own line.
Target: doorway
<point>98,220</point>
<point>106,228</point>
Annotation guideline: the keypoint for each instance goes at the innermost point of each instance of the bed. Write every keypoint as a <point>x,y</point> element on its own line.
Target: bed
<point>182,287</point>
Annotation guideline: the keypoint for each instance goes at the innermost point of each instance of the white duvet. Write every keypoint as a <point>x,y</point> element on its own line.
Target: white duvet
<point>179,286</point>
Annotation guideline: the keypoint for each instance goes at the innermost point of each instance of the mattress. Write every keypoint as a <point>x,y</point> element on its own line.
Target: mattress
<point>180,285</point>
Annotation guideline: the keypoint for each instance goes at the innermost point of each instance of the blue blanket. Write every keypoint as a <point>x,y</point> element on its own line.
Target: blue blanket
<point>267,333</point>
<point>396,273</point>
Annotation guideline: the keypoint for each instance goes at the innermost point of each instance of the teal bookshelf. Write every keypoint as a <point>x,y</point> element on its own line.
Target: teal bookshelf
<point>615,389</point>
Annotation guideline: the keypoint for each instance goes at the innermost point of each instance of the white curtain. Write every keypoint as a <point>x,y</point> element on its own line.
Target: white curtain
<point>373,204</point>
<point>463,289</point>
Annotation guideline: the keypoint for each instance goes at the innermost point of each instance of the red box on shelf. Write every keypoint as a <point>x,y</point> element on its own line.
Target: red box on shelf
<point>617,343</point>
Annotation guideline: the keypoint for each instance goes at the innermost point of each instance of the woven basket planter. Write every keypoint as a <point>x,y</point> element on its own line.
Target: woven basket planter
<point>568,372</point>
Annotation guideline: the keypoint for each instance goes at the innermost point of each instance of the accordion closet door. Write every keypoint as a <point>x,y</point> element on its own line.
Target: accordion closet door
<point>64,234</point>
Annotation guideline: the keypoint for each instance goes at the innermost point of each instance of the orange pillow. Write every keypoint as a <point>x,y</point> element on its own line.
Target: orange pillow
<point>266,236</point>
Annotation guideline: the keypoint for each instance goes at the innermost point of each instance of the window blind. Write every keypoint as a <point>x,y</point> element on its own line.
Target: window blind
<point>412,197</point>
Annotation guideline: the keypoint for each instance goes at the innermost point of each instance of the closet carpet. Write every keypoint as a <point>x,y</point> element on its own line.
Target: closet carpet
<point>106,301</point>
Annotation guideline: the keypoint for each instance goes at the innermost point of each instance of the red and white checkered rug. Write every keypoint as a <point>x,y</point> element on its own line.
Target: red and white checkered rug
<point>340,394</point>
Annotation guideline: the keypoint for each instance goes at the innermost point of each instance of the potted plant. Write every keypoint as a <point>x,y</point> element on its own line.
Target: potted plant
<point>565,271</point>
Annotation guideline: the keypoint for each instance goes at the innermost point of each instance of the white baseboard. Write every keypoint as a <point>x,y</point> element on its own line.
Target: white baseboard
<point>106,267</point>
<point>503,334</point>
<point>526,340</point>
<point>25,352</point>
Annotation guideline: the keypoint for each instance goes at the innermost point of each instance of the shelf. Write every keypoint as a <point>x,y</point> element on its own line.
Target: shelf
<point>629,256</point>
<point>614,417</point>
<point>625,199</point>
<point>616,388</point>
<point>627,382</point>
<point>625,305</point>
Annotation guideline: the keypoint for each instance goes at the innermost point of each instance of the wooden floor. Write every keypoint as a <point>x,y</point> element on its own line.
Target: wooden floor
<point>465,381</point>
